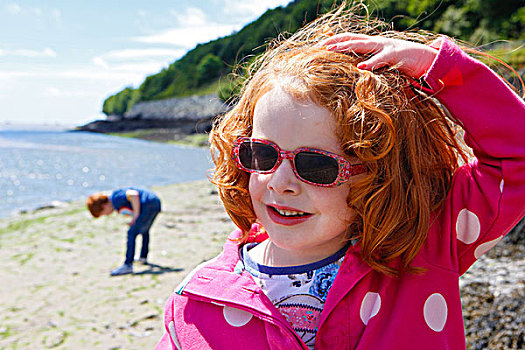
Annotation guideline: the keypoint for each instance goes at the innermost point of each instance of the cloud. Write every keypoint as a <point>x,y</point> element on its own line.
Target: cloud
<point>142,61</point>
<point>149,67</point>
<point>6,75</point>
<point>82,73</point>
<point>88,73</point>
<point>189,36</point>
<point>250,9</point>
<point>192,16</point>
<point>99,61</point>
<point>143,53</point>
<point>142,68</point>
<point>193,27</point>
<point>47,52</point>
<point>13,8</point>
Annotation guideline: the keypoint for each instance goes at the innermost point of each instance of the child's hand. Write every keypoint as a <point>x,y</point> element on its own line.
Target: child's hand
<point>410,58</point>
<point>132,222</point>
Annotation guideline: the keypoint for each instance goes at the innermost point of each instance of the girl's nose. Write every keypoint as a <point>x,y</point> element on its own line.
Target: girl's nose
<point>283,180</point>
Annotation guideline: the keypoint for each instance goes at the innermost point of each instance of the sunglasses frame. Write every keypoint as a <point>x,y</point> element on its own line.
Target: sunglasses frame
<point>345,168</point>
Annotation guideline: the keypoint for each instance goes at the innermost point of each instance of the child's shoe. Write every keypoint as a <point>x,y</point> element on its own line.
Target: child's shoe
<point>123,270</point>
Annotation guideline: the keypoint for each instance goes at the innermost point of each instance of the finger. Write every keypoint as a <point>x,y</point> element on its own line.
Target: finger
<point>373,63</point>
<point>356,46</point>
<point>342,37</point>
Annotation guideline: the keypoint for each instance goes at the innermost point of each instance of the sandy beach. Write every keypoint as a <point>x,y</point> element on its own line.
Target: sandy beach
<point>55,288</point>
<point>56,292</point>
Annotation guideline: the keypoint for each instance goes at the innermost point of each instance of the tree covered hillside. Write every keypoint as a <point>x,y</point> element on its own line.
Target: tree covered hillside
<point>200,70</point>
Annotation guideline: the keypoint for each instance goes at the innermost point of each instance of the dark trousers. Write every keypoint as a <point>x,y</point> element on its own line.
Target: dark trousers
<point>148,213</point>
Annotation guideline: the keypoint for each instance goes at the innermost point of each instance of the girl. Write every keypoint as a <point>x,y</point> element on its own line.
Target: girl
<point>341,167</point>
<point>142,205</point>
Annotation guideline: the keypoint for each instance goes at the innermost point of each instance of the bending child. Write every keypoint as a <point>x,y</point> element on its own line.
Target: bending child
<point>142,205</point>
<point>357,205</point>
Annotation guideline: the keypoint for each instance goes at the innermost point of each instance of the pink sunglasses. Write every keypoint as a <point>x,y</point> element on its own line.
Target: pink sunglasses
<point>312,166</point>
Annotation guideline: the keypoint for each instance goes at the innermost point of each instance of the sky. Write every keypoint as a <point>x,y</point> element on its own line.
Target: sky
<point>59,60</point>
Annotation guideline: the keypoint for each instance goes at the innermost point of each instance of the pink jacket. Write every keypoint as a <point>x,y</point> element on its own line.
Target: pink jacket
<point>219,307</point>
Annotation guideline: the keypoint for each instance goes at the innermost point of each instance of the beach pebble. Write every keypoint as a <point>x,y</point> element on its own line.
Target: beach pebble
<point>169,224</point>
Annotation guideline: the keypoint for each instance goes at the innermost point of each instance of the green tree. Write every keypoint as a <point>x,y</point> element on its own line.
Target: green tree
<point>121,102</point>
<point>209,68</point>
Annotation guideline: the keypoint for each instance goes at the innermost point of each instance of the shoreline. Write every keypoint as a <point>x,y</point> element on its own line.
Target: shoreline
<point>56,291</point>
<point>28,192</point>
<point>166,135</point>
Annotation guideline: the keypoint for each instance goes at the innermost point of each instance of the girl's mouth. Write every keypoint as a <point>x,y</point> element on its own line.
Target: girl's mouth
<point>285,216</point>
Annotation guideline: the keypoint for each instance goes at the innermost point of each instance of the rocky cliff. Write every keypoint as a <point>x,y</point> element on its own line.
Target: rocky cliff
<point>186,115</point>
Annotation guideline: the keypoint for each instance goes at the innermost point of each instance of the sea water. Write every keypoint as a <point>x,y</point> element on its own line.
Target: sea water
<point>38,167</point>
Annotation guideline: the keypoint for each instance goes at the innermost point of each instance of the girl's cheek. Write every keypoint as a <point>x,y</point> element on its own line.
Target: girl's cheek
<point>255,186</point>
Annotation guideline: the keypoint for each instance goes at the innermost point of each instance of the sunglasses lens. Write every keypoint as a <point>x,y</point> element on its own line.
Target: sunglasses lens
<point>316,168</point>
<point>257,156</point>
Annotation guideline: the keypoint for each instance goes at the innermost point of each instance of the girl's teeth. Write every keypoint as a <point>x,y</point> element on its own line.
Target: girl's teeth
<point>289,212</point>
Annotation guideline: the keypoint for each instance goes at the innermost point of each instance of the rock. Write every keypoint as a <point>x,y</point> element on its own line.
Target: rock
<point>52,205</point>
<point>183,115</point>
<point>180,108</point>
<point>493,296</point>
<point>151,316</point>
<point>493,322</point>
<point>517,235</point>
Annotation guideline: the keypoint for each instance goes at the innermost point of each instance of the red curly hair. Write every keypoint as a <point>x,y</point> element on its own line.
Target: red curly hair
<point>95,203</point>
<point>404,137</point>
